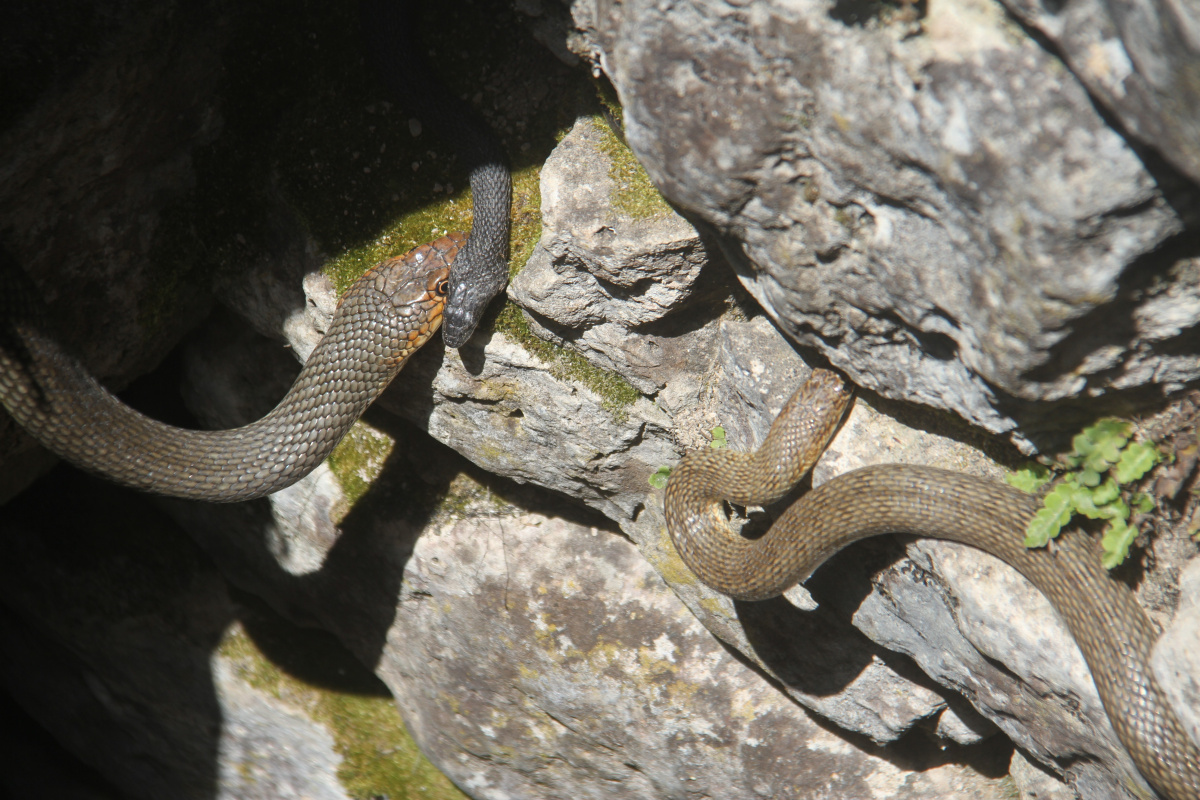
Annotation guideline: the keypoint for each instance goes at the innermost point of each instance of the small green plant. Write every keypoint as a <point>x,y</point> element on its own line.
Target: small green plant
<point>1102,462</point>
<point>718,438</point>
<point>659,479</point>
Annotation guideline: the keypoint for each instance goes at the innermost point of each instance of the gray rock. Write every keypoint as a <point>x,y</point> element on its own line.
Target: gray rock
<point>958,637</point>
<point>935,205</point>
<point>1176,659</point>
<point>268,750</point>
<point>1036,783</point>
<point>599,264</point>
<point>1140,59</point>
<point>484,401</point>
<point>599,683</point>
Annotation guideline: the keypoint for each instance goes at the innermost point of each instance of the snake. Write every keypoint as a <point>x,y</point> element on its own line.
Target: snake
<point>481,269</point>
<point>1111,629</point>
<point>380,321</point>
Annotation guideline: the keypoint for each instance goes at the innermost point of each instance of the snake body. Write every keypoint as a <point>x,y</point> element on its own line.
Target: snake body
<point>481,270</point>
<point>380,321</point>
<point>1111,629</point>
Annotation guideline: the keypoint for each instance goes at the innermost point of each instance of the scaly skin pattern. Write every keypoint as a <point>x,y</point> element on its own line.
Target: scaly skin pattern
<point>1111,629</point>
<point>393,309</point>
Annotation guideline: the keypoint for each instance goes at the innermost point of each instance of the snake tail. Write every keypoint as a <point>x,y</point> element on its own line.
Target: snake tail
<point>393,309</point>
<point>1112,631</point>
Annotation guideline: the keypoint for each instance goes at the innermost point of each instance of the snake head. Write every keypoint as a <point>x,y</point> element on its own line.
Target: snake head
<point>469,301</point>
<point>416,286</point>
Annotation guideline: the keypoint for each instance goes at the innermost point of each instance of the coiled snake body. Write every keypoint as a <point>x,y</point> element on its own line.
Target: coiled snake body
<point>380,321</point>
<point>1110,627</point>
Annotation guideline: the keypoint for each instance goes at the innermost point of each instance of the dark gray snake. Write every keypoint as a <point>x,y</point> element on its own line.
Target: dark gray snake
<point>481,270</point>
<point>1110,627</point>
<point>380,321</point>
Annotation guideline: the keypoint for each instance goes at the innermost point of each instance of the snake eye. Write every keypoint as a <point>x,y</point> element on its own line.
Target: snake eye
<point>442,287</point>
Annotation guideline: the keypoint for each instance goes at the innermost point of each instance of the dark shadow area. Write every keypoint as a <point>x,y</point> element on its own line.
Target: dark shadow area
<point>858,13</point>
<point>919,750</point>
<point>92,574</point>
<point>316,657</point>
<point>819,652</point>
<point>38,766</point>
<point>49,43</point>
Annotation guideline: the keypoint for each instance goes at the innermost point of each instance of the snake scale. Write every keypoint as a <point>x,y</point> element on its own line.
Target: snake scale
<point>393,309</point>
<point>1110,627</point>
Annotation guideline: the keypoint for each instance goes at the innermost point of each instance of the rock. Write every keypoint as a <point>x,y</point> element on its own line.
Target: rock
<point>1035,783</point>
<point>605,272</point>
<point>531,647</point>
<point>600,683</point>
<point>1176,660</point>
<point>268,750</point>
<point>901,194</point>
<point>1140,60</point>
<point>133,653</point>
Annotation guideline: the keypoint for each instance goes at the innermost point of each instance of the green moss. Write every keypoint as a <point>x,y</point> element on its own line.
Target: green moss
<point>526,217</point>
<point>606,93</point>
<point>634,192</point>
<point>379,758</point>
<point>357,461</point>
<point>844,218</point>
<point>616,393</point>
<point>669,564</point>
<point>466,496</point>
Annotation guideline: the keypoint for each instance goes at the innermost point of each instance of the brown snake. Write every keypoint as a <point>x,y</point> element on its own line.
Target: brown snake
<point>393,309</point>
<point>1111,629</point>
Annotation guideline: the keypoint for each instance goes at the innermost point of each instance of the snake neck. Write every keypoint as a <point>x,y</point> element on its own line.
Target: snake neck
<point>70,413</point>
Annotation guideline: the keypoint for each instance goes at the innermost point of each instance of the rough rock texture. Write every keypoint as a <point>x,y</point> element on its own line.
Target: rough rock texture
<point>931,201</point>
<point>1142,61</point>
<point>743,372</point>
<point>531,647</point>
<point>635,270</point>
<point>664,710</point>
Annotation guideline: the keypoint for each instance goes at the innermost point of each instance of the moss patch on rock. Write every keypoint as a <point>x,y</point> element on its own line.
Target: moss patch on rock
<point>357,461</point>
<point>616,393</point>
<point>634,193</point>
<point>379,758</point>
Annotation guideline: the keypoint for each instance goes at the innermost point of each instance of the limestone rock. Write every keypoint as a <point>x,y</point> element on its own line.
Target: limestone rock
<point>932,202</point>
<point>1140,60</point>
<point>602,274</point>
<point>600,684</point>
